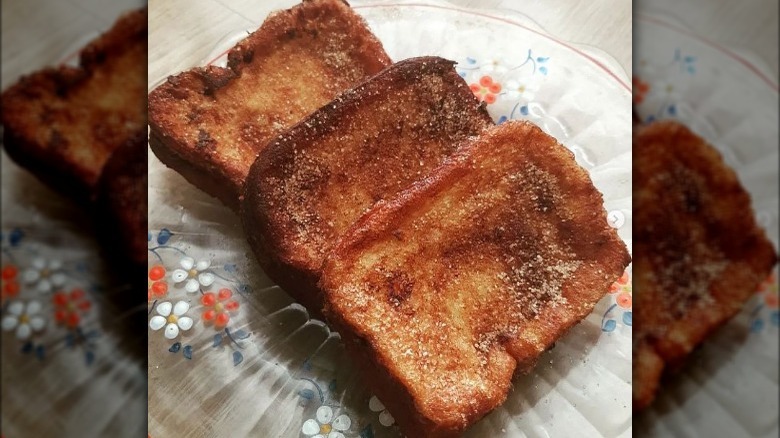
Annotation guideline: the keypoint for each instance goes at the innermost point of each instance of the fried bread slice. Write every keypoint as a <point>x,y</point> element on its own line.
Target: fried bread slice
<point>121,202</point>
<point>443,291</point>
<point>699,254</point>
<point>209,123</point>
<point>315,180</point>
<point>63,123</point>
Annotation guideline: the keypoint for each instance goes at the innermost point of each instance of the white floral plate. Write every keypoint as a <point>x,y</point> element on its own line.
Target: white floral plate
<point>730,99</point>
<point>268,370</point>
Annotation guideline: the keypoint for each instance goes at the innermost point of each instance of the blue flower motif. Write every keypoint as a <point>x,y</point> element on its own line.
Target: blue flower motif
<point>163,236</point>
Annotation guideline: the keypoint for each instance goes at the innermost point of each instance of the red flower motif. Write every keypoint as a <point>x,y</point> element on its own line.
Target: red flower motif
<point>620,284</point>
<point>624,300</point>
<point>70,307</point>
<point>769,290</point>
<point>218,307</point>
<point>10,287</point>
<point>157,287</point>
<point>486,90</point>
<point>640,90</point>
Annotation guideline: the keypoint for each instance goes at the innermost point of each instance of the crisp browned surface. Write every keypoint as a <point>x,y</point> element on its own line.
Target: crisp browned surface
<point>63,123</point>
<point>122,200</point>
<point>209,123</point>
<point>471,273</point>
<point>699,254</point>
<point>315,180</point>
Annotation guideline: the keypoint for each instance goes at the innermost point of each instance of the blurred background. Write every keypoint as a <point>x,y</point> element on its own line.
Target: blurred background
<point>71,363</point>
<point>713,66</point>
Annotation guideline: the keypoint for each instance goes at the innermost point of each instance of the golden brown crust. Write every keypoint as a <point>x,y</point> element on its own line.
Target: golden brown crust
<point>209,123</point>
<point>447,288</point>
<point>314,180</point>
<point>63,123</point>
<point>699,252</point>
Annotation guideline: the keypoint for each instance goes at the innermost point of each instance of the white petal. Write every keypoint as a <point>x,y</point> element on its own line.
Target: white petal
<point>334,434</point>
<point>33,307</point>
<point>44,285</point>
<point>9,322</point>
<point>181,308</point>
<point>310,427</point>
<point>185,323</point>
<point>16,308</point>
<point>164,308</point>
<point>171,331</point>
<point>58,279</point>
<point>37,323</point>
<point>385,419</point>
<point>55,265</point>
<point>206,279</point>
<point>192,285</point>
<point>23,331</point>
<point>39,263</point>
<point>203,264</point>
<point>375,405</point>
<point>324,414</point>
<point>157,322</point>
<point>342,422</point>
<point>31,276</point>
<point>318,436</point>
<point>179,275</point>
<point>187,263</point>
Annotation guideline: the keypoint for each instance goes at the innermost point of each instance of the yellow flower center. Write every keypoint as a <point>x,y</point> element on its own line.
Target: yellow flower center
<point>669,88</point>
<point>521,88</point>
<point>71,306</point>
<point>325,428</point>
<point>172,319</point>
<point>149,284</point>
<point>218,307</point>
<point>45,272</point>
<point>24,319</point>
<point>193,273</point>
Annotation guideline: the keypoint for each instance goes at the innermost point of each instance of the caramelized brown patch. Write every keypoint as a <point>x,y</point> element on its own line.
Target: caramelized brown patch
<point>204,140</point>
<point>399,287</point>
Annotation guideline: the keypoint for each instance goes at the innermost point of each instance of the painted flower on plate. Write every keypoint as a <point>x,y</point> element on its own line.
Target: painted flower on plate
<point>218,307</point>
<point>385,419</point>
<point>44,275</point>
<point>193,274</point>
<point>641,88</point>
<point>157,287</point>
<point>325,426</point>
<point>622,289</point>
<point>10,284</point>
<point>68,307</point>
<point>521,89</point>
<point>623,284</point>
<point>769,288</point>
<point>25,319</point>
<point>172,317</point>
<point>486,90</point>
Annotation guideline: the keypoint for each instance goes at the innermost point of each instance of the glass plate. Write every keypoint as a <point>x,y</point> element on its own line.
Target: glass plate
<point>730,99</point>
<point>273,371</point>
